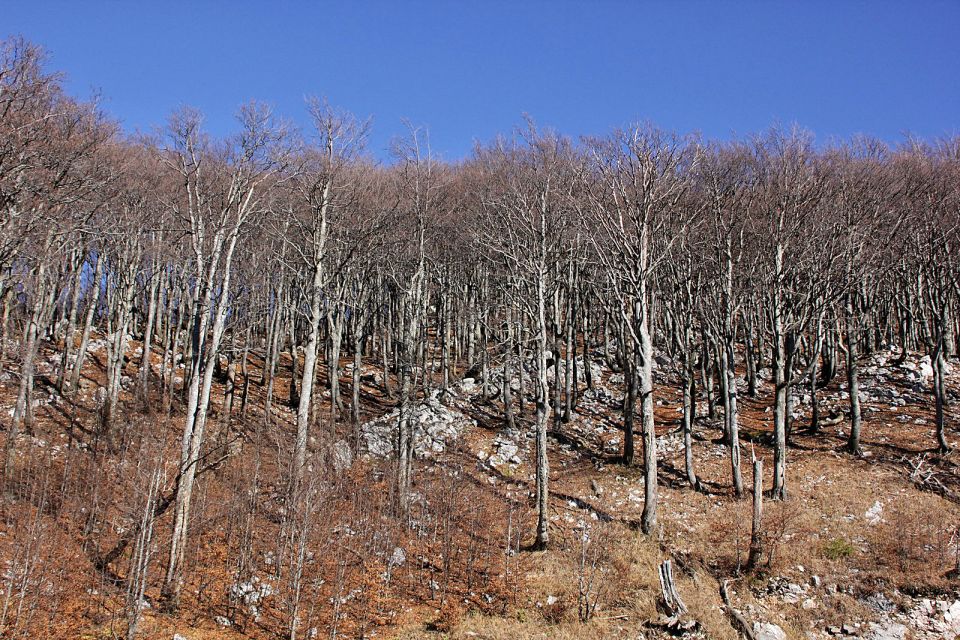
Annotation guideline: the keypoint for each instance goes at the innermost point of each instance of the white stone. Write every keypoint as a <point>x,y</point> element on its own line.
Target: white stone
<point>874,514</point>
<point>768,631</point>
<point>888,631</point>
<point>341,456</point>
<point>398,557</point>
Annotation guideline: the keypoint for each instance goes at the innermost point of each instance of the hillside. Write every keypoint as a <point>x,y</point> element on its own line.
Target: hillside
<point>863,546</point>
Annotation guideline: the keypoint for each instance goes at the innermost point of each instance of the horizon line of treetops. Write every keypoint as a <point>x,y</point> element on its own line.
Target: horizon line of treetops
<point>729,258</point>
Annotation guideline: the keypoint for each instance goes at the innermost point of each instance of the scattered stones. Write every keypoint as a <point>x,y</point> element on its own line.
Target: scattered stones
<point>923,619</point>
<point>507,450</point>
<point>434,425</point>
<point>251,594</point>
<point>789,592</point>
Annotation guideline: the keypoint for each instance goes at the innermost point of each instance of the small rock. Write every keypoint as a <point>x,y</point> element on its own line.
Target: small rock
<point>888,631</point>
<point>596,488</point>
<point>874,514</point>
<point>398,557</point>
<point>341,456</point>
<point>880,602</point>
<point>768,631</point>
<point>953,612</point>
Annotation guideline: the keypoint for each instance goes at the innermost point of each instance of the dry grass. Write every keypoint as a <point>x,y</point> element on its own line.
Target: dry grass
<point>480,591</point>
<point>627,598</point>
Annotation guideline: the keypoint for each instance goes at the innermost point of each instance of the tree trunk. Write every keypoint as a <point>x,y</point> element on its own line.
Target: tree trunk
<point>756,535</point>
<point>853,383</point>
<point>543,415</point>
<point>335,328</point>
<point>779,403</point>
<point>940,391</point>
<point>631,377</point>
<point>308,377</point>
<point>152,301</point>
<point>87,325</point>
<point>689,415</point>
<point>30,343</point>
<point>730,410</point>
<point>71,326</point>
<point>649,516</point>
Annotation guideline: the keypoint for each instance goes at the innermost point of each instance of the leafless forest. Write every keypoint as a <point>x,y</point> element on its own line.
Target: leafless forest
<point>267,386</point>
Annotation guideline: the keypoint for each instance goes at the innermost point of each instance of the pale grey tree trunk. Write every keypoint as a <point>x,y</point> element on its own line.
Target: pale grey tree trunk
<point>756,535</point>
<point>853,381</point>
<point>70,329</point>
<point>116,349</point>
<point>939,387</point>
<point>779,405</point>
<point>308,378</point>
<point>631,376</point>
<point>153,299</point>
<point>542,415</point>
<point>87,324</point>
<point>508,371</point>
<point>29,353</point>
<point>335,329</point>
<point>648,519</point>
<point>689,415</point>
<point>733,426</point>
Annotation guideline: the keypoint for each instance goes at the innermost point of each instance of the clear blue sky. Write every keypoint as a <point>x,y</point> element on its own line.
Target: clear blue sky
<point>470,69</point>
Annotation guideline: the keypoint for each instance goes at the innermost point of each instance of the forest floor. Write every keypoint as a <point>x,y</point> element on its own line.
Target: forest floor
<point>863,546</point>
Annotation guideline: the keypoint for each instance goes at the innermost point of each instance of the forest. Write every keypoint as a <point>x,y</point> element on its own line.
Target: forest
<point>645,384</point>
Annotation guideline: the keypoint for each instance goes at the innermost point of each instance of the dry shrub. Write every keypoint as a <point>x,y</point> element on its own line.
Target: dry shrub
<point>626,591</point>
<point>594,570</point>
<point>450,614</point>
<point>328,560</point>
<point>40,582</point>
<point>728,536</point>
<point>789,535</point>
<point>783,523</point>
<point>916,536</point>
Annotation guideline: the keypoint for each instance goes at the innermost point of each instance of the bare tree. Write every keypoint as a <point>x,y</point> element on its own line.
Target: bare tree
<point>526,206</point>
<point>322,191</point>
<point>219,195</point>
<point>641,174</point>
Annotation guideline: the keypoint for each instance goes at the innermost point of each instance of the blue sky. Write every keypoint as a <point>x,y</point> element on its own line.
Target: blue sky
<point>469,70</point>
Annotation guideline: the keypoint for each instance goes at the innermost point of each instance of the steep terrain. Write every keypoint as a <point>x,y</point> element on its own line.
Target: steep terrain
<point>863,546</point>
